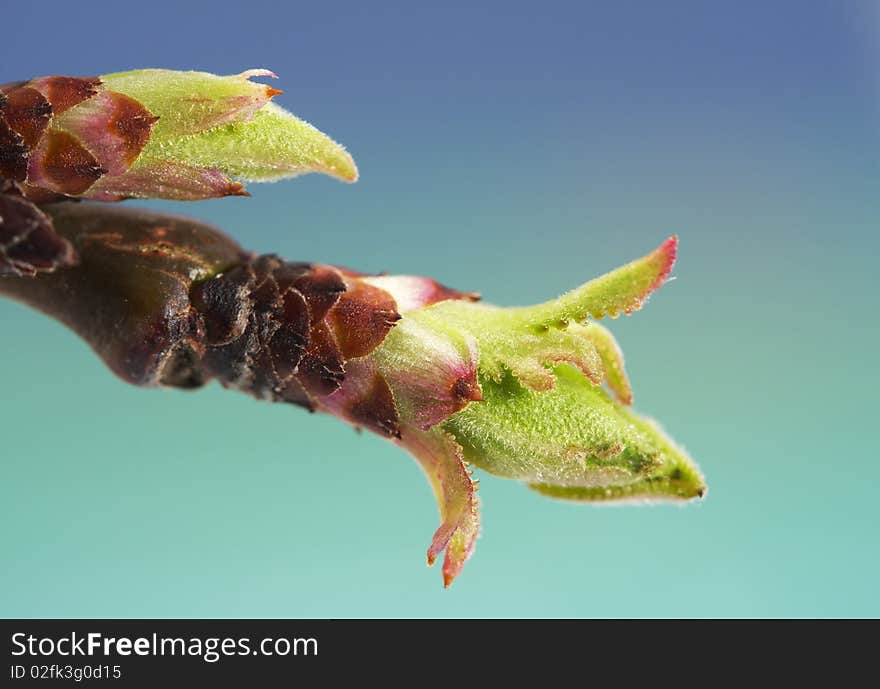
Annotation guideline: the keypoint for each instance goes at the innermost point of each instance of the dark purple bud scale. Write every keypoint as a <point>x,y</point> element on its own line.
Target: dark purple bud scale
<point>28,242</point>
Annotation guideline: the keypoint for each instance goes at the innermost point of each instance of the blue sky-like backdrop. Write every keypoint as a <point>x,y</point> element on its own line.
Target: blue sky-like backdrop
<point>516,149</point>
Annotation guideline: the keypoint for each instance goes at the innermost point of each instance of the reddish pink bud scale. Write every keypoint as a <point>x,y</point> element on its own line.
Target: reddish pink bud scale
<point>62,164</point>
<point>113,127</point>
<point>65,92</point>
<point>375,408</point>
<point>27,112</point>
<point>415,292</point>
<point>362,318</point>
<point>166,180</point>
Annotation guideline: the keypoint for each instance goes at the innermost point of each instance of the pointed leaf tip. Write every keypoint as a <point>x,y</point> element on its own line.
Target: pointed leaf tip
<point>455,490</point>
<point>666,254</point>
<point>626,289</point>
<point>623,290</point>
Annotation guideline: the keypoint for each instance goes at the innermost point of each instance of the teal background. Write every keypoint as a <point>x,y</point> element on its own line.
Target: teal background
<point>518,150</point>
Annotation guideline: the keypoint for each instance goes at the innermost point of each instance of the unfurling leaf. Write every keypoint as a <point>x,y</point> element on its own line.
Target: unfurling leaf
<point>552,403</point>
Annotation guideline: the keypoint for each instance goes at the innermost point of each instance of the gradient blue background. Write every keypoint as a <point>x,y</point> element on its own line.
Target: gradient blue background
<point>516,149</point>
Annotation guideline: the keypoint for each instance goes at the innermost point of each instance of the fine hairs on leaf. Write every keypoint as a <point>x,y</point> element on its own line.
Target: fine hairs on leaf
<point>538,394</point>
